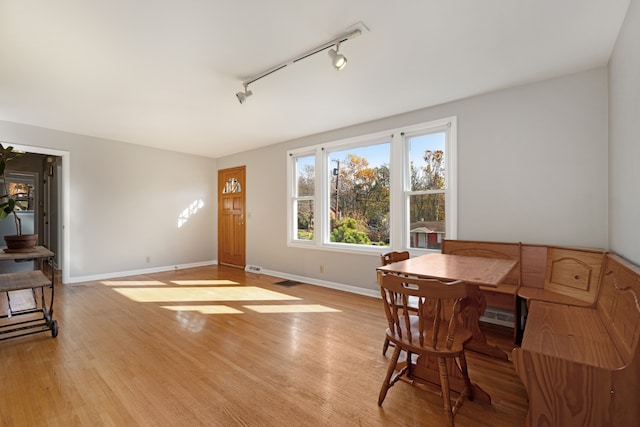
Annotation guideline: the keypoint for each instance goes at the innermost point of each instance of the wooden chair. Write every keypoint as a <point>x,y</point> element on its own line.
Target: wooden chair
<point>394,256</point>
<point>433,331</point>
<point>388,258</point>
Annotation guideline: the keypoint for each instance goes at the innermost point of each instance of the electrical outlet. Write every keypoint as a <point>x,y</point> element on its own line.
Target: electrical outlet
<point>148,258</point>
<point>321,268</point>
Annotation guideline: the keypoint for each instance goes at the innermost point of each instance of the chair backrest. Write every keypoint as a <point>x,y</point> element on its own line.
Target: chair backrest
<point>394,256</point>
<point>433,297</point>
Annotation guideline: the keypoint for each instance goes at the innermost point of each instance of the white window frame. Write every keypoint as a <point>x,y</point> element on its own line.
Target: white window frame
<point>449,128</point>
<point>399,187</point>
<point>293,197</point>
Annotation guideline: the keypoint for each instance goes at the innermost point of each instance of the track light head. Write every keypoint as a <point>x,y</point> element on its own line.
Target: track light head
<point>242,96</point>
<point>338,60</point>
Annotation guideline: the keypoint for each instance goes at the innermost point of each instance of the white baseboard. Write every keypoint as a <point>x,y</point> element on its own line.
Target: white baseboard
<point>106,276</point>
<point>326,284</point>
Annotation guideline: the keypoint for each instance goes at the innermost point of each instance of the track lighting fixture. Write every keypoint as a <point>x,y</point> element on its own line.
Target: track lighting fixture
<point>338,60</point>
<point>242,96</point>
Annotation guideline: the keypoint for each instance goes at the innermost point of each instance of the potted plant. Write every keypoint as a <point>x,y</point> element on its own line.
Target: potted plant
<point>9,205</point>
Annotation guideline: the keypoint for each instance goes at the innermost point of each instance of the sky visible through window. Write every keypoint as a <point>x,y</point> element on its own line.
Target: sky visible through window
<point>378,154</point>
<point>419,144</point>
<point>304,162</point>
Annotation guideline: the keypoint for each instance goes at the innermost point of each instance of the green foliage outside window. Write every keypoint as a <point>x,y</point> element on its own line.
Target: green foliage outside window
<point>347,232</point>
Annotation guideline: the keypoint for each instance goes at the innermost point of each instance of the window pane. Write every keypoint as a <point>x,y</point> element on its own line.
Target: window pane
<point>427,162</point>
<point>305,176</point>
<point>304,210</point>
<point>427,221</point>
<point>359,195</point>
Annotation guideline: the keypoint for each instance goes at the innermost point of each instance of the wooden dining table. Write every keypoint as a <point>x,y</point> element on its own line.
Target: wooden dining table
<point>473,270</point>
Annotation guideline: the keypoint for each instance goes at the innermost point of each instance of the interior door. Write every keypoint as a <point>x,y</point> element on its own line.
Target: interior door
<point>231,216</point>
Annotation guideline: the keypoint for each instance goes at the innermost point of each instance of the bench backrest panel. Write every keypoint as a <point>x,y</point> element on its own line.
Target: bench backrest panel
<point>619,304</point>
<point>533,261</point>
<point>574,272</point>
<point>487,250</point>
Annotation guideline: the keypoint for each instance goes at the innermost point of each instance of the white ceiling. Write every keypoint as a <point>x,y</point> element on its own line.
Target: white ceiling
<point>163,73</point>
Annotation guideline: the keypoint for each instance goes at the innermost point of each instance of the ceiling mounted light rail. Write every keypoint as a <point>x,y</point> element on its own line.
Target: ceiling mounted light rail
<point>338,60</point>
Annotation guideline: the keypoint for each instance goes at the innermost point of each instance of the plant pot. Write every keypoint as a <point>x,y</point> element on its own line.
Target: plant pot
<point>21,243</point>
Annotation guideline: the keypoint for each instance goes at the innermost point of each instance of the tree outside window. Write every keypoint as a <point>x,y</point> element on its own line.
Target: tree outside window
<point>360,203</point>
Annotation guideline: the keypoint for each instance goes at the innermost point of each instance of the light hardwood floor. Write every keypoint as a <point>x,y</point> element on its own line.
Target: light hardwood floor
<point>214,346</point>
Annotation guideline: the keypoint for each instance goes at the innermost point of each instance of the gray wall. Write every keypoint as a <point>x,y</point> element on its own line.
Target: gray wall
<point>125,203</point>
<point>624,139</point>
<point>532,167</point>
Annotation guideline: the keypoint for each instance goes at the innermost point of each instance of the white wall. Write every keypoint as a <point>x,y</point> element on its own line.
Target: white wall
<point>624,138</point>
<point>125,203</point>
<point>532,168</point>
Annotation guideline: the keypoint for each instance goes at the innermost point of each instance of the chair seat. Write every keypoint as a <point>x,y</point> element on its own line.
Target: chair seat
<point>461,337</point>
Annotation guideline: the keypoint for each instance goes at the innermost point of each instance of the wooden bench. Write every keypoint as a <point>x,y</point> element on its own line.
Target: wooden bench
<point>580,364</point>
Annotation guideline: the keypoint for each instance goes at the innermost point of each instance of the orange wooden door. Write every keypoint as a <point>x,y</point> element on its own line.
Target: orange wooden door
<point>231,216</point>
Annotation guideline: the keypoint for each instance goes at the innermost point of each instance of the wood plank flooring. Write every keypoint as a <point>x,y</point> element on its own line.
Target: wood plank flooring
<point>215,346</point>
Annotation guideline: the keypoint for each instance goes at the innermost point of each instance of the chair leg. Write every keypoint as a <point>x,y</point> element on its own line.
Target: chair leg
<point>388,382</point>
<point>385,346</point>
<point>465,375</point>
<point>444,384</point>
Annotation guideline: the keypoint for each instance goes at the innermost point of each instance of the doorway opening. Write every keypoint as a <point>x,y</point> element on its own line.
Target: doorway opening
<point>50,208</point>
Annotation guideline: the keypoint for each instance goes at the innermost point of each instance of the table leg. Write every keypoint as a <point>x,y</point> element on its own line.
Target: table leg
<point>472,309</point>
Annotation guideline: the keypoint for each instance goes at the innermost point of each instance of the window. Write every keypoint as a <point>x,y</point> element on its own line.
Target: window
<point>394,189</point>
<point>304,196</point>
<point>426,189</point>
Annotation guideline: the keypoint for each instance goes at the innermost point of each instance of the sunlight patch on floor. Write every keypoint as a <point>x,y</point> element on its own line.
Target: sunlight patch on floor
<point>204,309</point>
<point>232,293</point>
<point>203,282</point>
<point>293,308</point>
<point>187,293</point>
<point>133,283</point>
